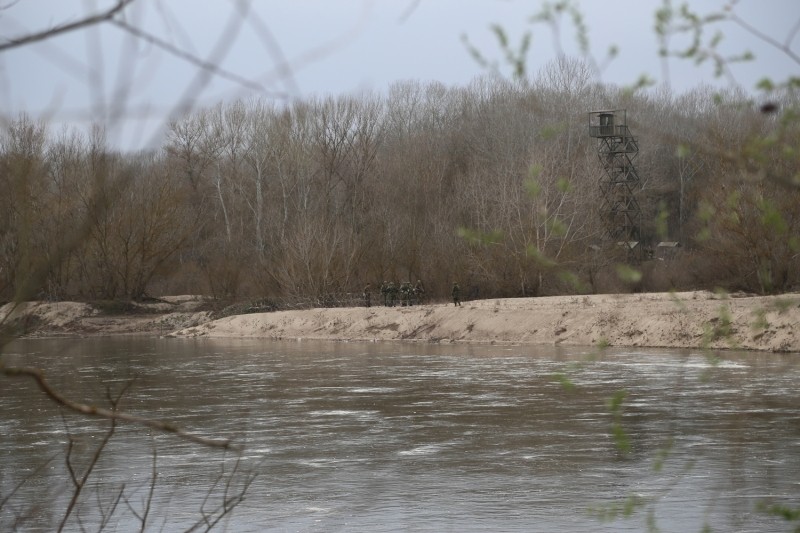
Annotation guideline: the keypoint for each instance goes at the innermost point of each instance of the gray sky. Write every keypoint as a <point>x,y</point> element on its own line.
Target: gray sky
<point>331,47</point>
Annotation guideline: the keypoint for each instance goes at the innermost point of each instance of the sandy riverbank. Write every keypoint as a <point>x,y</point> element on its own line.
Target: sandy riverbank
<point>672,320</point>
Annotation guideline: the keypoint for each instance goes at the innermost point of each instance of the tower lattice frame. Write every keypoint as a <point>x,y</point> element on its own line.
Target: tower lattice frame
<point>617,149</point>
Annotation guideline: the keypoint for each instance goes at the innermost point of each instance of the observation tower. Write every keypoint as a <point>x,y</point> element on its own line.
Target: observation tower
<point>617,149</point>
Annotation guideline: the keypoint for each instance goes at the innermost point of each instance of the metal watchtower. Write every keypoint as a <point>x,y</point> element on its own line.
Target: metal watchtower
<point>617,148</point>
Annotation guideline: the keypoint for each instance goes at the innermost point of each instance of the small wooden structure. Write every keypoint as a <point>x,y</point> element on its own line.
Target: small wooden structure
<point>667,250</point>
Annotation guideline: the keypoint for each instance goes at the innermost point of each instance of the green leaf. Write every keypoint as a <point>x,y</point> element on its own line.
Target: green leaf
<point>615,402</point>
<point>765,84</point>
<point>539,257</point>
<point>564,381</point>
<point>533,187</point>
<point>773,219</point>
<point>628,274</point>
<point>478,237</point>
<point>573,280</point>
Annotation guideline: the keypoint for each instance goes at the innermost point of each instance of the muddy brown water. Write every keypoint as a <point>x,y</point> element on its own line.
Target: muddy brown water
<point>406,437</point>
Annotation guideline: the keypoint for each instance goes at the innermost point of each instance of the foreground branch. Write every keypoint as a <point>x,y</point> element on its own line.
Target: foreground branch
<point>111,414</point>
<point>65,28</point>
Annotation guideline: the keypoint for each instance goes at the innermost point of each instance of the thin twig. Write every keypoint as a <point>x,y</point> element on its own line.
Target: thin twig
<point>228,503</point>
<point>148,501</point>
<point>153,480</point>
<point>105,516</point>
<point>209,66</point>
<point>30,476</point>
<point>81,483</point>
<point>767,39</point>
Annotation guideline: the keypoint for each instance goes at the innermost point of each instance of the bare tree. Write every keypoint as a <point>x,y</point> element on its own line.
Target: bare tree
<point>24,180</point>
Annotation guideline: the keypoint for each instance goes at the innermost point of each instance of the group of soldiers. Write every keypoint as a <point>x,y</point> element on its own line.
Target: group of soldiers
<point>403,294</point>
<point>408,295</point>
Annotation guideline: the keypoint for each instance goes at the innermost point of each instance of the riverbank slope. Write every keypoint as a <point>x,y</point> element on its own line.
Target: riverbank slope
<point>670,320</point>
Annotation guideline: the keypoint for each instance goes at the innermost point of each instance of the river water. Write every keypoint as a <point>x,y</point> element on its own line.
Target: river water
<point>403,437</point>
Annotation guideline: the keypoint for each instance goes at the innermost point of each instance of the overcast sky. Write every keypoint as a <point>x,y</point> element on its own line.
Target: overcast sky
<point>331,47</point>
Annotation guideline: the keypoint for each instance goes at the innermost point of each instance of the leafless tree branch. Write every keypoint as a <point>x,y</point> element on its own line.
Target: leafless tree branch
<point>5,499</point>
<point>106,514</point>
<point>783,47</point>
<point>111,414</point>
<point>66,28</point>
<point>210,66</point>
<point>230,499</point>
<point>410,8</point>
<point>81,483</point>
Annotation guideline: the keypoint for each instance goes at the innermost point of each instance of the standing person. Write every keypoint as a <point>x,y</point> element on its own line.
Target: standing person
<point>368,295</point>
<point>405,293</point>
<point>385,293</point>
<point>419,290</point>
<point>456,292</point>
<point>392,293</point>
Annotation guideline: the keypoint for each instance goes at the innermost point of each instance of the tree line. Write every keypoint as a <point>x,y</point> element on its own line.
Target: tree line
<point>493,185</point>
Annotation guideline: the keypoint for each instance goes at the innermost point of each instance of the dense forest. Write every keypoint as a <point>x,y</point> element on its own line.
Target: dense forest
<point>493,185</point>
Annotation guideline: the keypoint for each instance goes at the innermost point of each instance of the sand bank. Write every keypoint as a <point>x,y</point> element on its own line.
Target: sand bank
<point>671,320</point>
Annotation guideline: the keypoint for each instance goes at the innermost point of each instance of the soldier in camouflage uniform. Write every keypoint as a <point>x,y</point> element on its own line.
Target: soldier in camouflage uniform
<point>456,293</point>
<point>392,293</point>
<point>385,293</point>
<point>368,295</point>
<point>419,290</point>
<point>405,293</point>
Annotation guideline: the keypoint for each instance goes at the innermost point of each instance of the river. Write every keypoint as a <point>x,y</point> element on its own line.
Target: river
<point>403,437</point>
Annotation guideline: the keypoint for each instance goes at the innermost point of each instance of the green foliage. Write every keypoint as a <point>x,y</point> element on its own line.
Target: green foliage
<point>552,131</point>
<point>760,321</point>
<point>719,327</point>
<point>628,274</point>
<point>556,227</point>
<point>662,221</point>
<point>705,215</point>
<point>566,383</point>
<point>672,22</point>
<point>783,304</point>
<point>540,257</point>
<point>571,279</point>
<point>679,304</point>
<point>477,238</point>
<point>662,455</point>
<point>551,13</point>
<point>642,82</point>
<point>790,514</point>
<point>619,509</point>
<point>618,433</point>
<point>532,185</point>
<point>772,217</point>
<point>514,57</point>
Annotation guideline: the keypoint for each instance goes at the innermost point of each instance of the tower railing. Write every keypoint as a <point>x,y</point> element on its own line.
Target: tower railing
<point>612,130</point>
